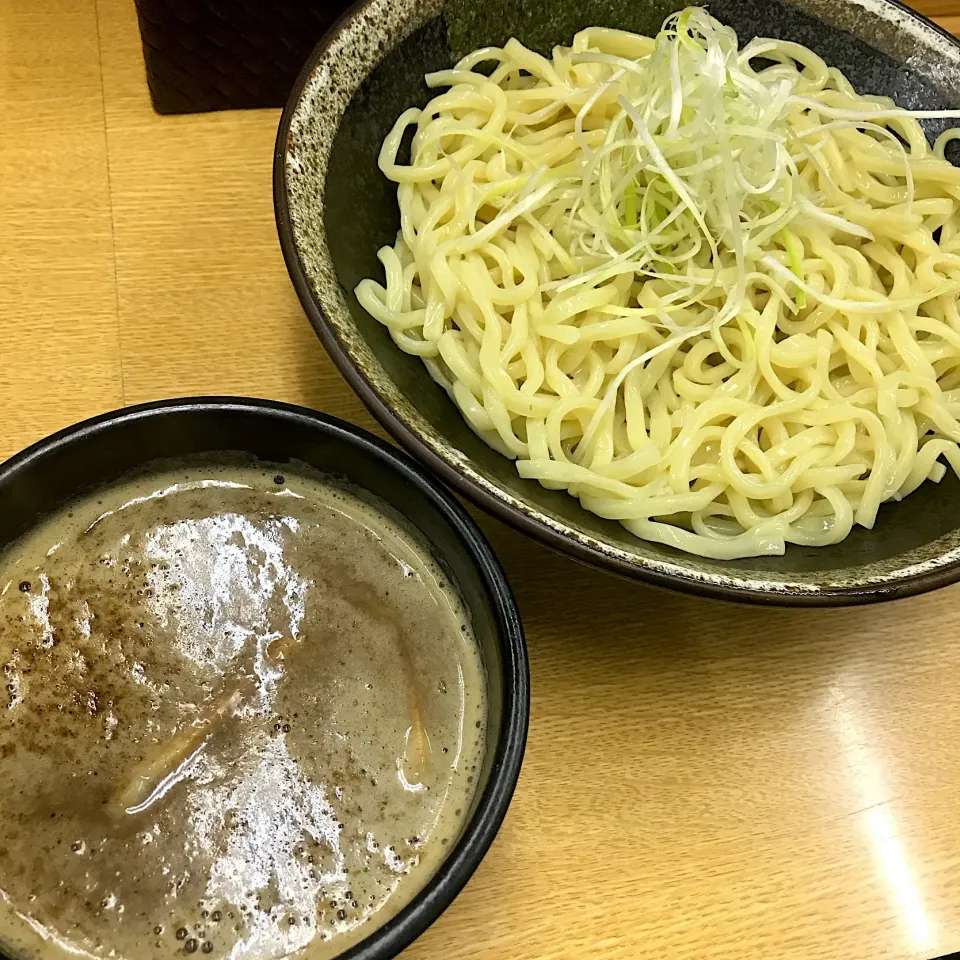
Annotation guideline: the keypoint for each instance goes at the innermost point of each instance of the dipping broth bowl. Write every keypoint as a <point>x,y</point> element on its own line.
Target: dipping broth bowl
<point>98,452</point>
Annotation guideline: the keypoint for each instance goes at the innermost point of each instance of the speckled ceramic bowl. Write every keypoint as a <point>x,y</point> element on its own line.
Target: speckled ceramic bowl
<point>335,209</point>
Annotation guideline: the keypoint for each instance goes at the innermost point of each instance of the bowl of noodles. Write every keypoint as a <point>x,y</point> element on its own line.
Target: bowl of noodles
<point>672,290</point>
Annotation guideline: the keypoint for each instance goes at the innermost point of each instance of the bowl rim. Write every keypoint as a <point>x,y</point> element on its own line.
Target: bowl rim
<point>730,588</point>
<point>478,833</point>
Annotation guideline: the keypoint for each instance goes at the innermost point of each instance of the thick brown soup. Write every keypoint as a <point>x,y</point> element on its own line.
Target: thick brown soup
<point>243,716</point>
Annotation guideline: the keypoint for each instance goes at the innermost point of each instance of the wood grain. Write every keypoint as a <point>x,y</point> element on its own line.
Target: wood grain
<point>57,294</point>
<point>702,780</point>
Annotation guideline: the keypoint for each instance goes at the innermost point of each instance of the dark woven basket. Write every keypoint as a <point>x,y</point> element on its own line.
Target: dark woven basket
<point>228,54</point>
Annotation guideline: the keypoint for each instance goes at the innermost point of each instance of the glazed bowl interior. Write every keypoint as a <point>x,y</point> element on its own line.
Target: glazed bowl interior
<point>335,210</point>
<point>100,451</point>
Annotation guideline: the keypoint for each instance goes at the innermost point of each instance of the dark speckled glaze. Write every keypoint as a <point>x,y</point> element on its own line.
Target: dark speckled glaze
<point>335,209</point>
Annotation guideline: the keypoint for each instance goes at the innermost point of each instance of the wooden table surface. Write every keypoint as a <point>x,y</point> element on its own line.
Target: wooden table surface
<point>702,780</point>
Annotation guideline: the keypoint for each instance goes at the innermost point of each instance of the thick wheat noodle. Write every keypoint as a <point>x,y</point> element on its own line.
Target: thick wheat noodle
<point>608,361</point>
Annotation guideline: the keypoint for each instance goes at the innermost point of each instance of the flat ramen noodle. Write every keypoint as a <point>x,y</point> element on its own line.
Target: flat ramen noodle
<point>710,292</point>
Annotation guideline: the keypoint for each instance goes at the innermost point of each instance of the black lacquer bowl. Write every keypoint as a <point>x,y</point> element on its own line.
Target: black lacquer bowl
<point>335,210</point>
<point>99,451</point>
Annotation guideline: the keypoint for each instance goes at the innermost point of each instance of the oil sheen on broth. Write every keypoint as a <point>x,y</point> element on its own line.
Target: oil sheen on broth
<point>243,718</point>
